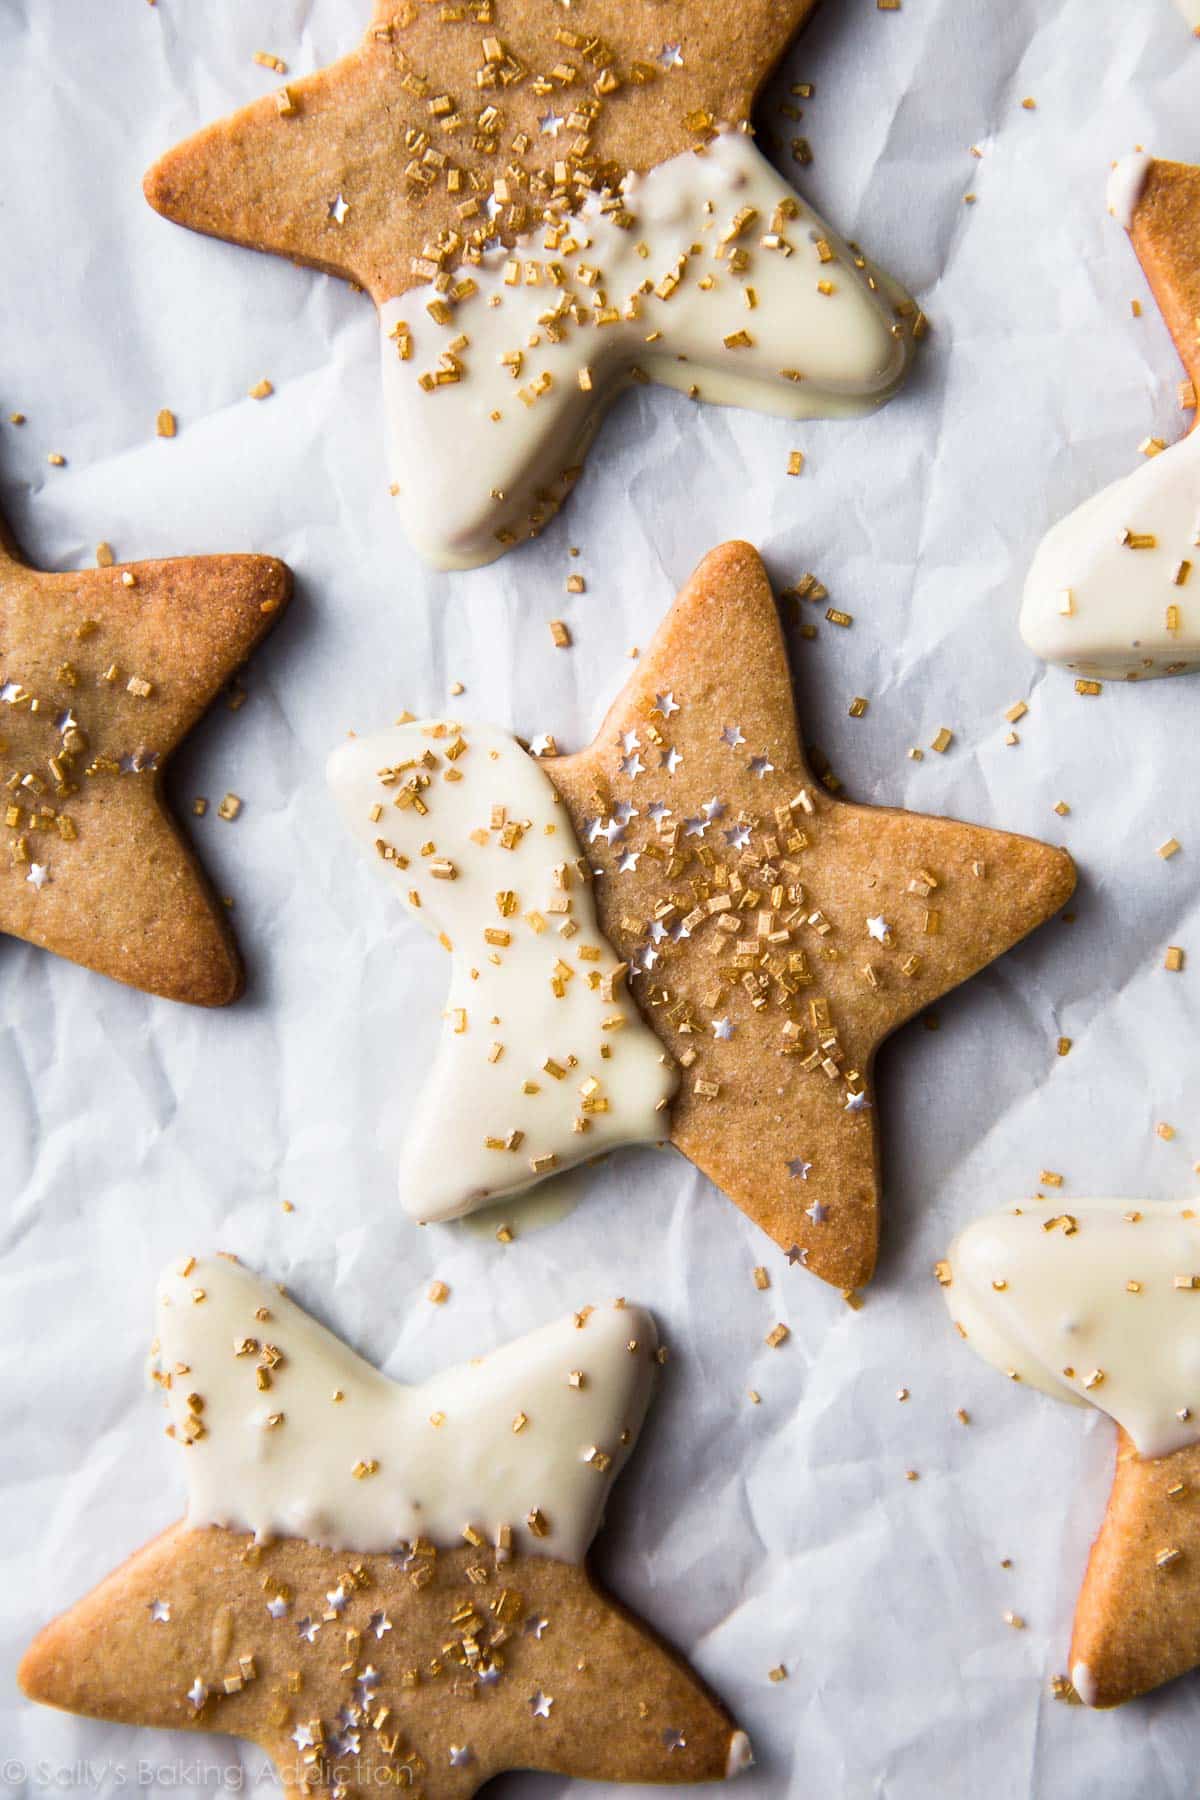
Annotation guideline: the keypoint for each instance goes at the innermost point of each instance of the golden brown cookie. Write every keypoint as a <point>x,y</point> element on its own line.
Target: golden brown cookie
<point>778,934</point>
<point>376,129</point>
<point>1111,590</point>
<point>1165,231</point>
<point>102,674</point>
<point>517,191</point>
<point>1137,1620</point>
<point>455,1632</point>
<point>1098,1305</point>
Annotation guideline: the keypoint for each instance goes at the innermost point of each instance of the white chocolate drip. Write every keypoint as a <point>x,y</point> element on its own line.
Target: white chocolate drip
<point>544,1061</point>
<point>595,300</point>
<point>1105,608</point>
<point>1125,185</point>
<point>429,1460</point>
<point>1097,1308</point>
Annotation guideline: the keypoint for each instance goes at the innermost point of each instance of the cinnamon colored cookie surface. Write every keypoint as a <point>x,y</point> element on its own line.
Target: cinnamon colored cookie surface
<point>546,206</point>
<point>102,673</point>
<point>1098,1305</point>
<point>1113,589</point>
<point>772,935</point>
<point>385,1586</point>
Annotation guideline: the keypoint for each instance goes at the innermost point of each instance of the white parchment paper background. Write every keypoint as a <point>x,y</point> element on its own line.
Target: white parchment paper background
<point>133,1131</point>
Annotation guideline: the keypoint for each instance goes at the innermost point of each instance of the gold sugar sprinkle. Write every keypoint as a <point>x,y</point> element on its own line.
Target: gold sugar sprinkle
<point>560,634</point>
<point>262,390</point>
<point>166,424</point>
<point>1169,849</point>
<point>439,1293</point>
<point>1174,958</point>
<point>230,807</point>
<point>942,742</point>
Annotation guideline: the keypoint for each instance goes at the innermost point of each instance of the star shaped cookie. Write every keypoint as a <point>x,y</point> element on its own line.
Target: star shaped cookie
<point>1097,1305</point>
<point>1111,590</point>
<point>778,934</point>
<point>467,1638</point>
<point>515,186</point>
<point>102,673</point>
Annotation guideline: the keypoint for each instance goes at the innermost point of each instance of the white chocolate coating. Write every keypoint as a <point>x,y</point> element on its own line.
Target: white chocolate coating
<point>295,1478</point>
<point>576,1071</point>
<point>626,299</point>
<point>1125,184</point>
<point>741,1755</point>
<point>1117,622</point>
<point>1191,12</point>
<point>1053,1307</point>
<point>1103,606</point>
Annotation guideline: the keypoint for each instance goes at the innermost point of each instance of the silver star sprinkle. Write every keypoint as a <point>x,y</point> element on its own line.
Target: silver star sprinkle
<point>303,1738</point>
<point>534,1626</point>
<point>857,1102</point>
<point>308,1629</point>
<point>277,1607</point>
<point>879,929</point>
<point>38,876</point>
<point>657,809</point>
<point>197,1693</point>
<point>664,705</point>
<point>670,760</point>
<point>628,861</point>
<point>760,766</point>
<point>540,1704</point>
<point>714,809</point>
<point>338,209</point>
<point>160,1612</point>
<point>722,1030</point>
<point>337,1600</point>
<point>632,765</point>
<point>797,1255</point>
<point>671,56</point>
<point>379,1623</point>
<point>674,1739</point>
<point>798,1168</point>
<point>460,1755</point>
<point>738,837</point>
<point>817,1213</point>
<point>551,123</point>
<point>732,735</point>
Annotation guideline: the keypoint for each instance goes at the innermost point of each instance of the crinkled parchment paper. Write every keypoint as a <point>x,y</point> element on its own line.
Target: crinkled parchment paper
<point>133,1130</point>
